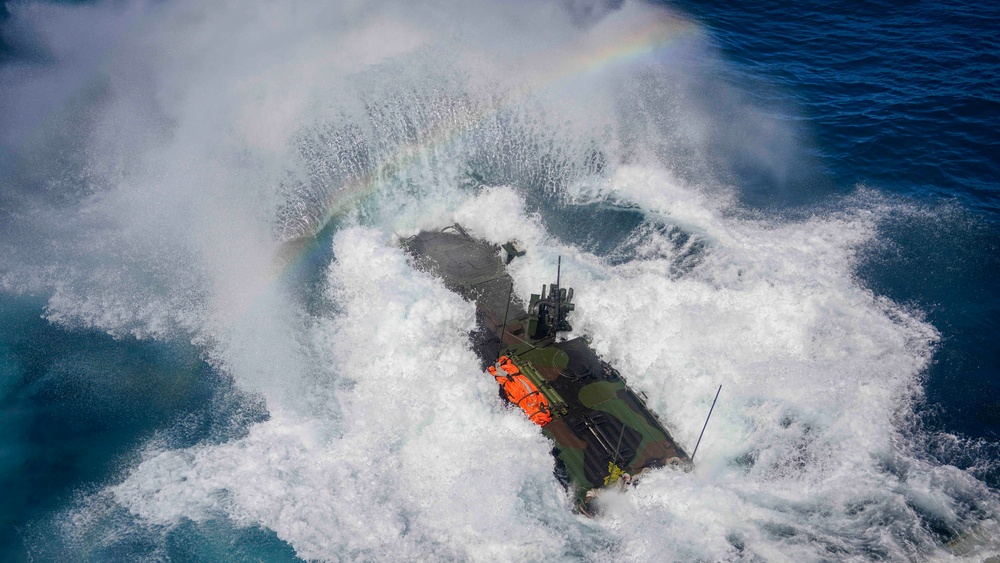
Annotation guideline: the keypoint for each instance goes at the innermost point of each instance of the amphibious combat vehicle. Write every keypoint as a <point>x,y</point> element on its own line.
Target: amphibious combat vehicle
<point>603,433</point>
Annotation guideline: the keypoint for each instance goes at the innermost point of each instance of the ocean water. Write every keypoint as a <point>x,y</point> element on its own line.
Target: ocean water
<point>212,347</point>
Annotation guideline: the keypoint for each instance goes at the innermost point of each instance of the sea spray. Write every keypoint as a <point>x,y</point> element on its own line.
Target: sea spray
<point>204,137</point>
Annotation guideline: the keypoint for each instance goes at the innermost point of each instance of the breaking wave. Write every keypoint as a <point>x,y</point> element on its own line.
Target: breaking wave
<point>192,163</point>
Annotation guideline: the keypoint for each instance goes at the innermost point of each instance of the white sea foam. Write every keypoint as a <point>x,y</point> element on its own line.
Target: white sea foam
<point>417,459</point>
<point>209,129</point>
<point>818,374</point>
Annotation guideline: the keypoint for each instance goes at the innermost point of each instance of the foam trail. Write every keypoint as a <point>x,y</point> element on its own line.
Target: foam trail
<point>258,123</point>
<point>820,376</point>
<point>419,448</point>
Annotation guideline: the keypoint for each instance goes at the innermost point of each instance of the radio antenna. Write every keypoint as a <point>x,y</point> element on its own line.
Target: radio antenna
<point>503,331</point>
<point>558,291</point>
<point>706,423</point>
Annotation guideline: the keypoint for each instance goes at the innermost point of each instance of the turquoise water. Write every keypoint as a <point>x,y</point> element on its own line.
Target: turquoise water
<point>165,396</point>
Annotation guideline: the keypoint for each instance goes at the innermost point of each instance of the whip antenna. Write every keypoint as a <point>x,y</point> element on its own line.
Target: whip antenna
<point>503,331</point>
<point>558,290</point>
<point>706,423</point>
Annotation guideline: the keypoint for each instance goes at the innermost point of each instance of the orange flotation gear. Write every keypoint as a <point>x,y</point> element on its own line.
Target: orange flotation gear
<point>522,392</point>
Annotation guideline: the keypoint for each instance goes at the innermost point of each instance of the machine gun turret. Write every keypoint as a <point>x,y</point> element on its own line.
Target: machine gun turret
<point>547,311</point>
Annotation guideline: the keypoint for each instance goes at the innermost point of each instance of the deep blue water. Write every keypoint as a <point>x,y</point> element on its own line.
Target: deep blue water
<point>901,98</point>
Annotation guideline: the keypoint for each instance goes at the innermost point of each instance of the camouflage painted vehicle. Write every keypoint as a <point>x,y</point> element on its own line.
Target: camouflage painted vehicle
<point>604,434</point>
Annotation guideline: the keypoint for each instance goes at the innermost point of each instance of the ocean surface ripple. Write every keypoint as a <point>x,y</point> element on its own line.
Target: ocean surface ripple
<point>212,346</point>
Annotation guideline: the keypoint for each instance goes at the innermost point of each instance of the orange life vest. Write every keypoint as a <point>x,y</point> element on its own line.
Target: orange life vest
<point>522,392</point>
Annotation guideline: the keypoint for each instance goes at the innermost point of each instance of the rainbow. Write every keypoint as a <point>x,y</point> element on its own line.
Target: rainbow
<point>632,40</point>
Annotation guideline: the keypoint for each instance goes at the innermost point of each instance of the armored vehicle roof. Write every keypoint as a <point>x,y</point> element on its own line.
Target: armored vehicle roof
<point>603,431</point>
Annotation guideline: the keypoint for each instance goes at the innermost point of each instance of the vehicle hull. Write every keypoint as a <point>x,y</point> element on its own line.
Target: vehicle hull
<point>602,430</point>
